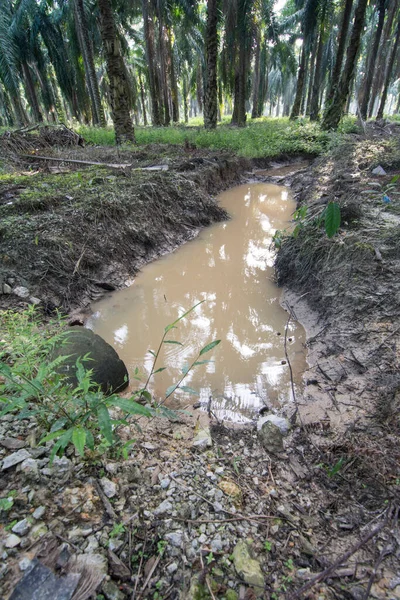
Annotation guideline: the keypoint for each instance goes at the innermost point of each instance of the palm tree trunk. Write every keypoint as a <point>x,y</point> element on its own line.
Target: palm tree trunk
<point>211,50</point>
<point>372,61</point>
<point>256,76</point>
<point>337,69</point>
<point>31,93</point>
<point>300,84</point>
<point>311,76</point>
<point>162,57</point>
<point>185,97</point>
<point>199,86</point>
<point>142,98</point>
<point>148,26</point>
<point>87,54</point>
<point>334,111</point>
<point>117,75</point>
<point>263,87</point>
<point>314,105</point>
<point>380,69</point>
<point>173,80</point>
<point>389,72</point>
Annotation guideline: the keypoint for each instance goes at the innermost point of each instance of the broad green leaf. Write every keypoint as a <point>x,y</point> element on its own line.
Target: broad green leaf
<point>57,424</point>
<point>168,413</point>
<point>169,327</point>
<point>89,439</point>
<point>52,436</point>
<point>189,390</point>
<point>332,219</point>
<point>62,443</point>
<point>185,369</point>
<point>105,422</point>
<point>145,394</point>
<point>209,347</point>
<point>132,407</point>
<point>79,439</point>
<point>172,342</point>
<point>202,362</point>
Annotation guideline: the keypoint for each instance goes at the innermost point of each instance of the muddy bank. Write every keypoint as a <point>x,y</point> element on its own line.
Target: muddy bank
<point>69,231</point>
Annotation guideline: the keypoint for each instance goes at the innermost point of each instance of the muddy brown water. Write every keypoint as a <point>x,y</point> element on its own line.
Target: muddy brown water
<point>230,266</point>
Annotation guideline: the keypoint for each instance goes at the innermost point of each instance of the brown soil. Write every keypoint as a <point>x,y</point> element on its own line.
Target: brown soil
<point>70,231</point>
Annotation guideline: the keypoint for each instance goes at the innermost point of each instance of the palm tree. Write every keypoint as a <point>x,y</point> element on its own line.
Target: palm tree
<point>389,70</point>
<point>371,63</point>
<point>337,69</point>
<point>335,110</point>
<point>88,59</point>
<point>211,51</point>
<point>117,75</point>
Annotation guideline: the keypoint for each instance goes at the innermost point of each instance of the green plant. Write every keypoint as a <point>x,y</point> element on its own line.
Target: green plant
<point>209,558</point>
<point>6,503</point>
<point>117,529</point>
<point>332,471</point>
<point>161,545</point>
<point>82,416</point>
<point>332,217</point>
<point>267,546</point>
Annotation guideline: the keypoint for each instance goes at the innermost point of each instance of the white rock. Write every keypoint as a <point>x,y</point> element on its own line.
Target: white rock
<point>7,289</point>
<point>109,487</point>
<point>378,171</point>
<point>21,292</point>
<point>34,300</point>
<point>203,439</point>
<point>280,422</point>
<point>164,507</point>
<point>12,541</point>
<point>24,564</point>
<point>15,458</point>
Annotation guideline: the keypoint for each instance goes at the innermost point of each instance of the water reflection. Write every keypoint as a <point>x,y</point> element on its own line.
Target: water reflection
<point>230,266</point>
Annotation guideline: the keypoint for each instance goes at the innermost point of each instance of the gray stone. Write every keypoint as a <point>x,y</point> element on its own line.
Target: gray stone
<point>271,438</point>
<point>12,541</point>
<point>114,544</point>
<point>112,592</point>
<point>12,443</point>
<point>21,292</point>
<point>30,468</point>
<point>165,483</point>
<point>7,289</point>
<point>172,568</point>
<point>109,487</point>
<point>216,544</point>
<point>22,527</point>
<point>280,422</point>
<point>175,538</point>
<point>61,466</point>
<point>39,512</point>
<point>109,372</point>
<point>247,567</point>
<point>34,300</point>
<point>14,459</point>
<point>24,564</point>
<point>164,507</point>
<point>38,530</point>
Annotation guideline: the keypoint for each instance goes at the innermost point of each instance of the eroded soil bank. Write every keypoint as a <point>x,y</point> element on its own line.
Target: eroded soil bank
<point>69,231</point>
<point>321,517</point>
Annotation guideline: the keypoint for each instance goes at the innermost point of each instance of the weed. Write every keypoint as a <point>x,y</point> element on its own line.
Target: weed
<point>161,546</point>
<point>209,558</point>
<point>82,416</point>
<point>267,546</point>
<point>116,530</point>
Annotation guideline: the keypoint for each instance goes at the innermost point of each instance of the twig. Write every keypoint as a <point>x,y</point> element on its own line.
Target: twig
<point>149,576</point>
<point>139,569</point>
<point>107,504</point>
<point>385,551</point>
<point>296,412</point>
<point>76,161</point>
<point>324,574</point>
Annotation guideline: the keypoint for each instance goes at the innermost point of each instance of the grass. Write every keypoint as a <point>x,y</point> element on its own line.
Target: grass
<point>262,138</point>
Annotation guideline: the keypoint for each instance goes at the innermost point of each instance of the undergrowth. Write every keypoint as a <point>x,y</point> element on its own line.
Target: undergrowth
<point>261,138</point>
<point>33,387</point>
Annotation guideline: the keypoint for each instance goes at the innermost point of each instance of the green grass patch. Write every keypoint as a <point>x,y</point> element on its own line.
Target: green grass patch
<point>261,138</point>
